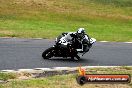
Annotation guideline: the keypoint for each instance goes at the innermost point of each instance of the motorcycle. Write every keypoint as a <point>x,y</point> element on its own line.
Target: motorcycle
<point>66,49</point>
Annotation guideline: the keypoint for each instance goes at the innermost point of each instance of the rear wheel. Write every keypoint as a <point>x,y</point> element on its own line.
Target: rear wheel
<point>48,53</point>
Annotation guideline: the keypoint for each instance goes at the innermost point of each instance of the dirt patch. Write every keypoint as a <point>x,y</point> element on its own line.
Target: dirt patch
<point>6,32</point>
<point>34,2</point>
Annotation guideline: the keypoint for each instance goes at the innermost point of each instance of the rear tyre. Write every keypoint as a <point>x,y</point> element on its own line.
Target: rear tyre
<point>48,53</point>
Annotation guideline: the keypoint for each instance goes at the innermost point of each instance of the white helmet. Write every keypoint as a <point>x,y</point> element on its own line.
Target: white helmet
<point>81,32</point>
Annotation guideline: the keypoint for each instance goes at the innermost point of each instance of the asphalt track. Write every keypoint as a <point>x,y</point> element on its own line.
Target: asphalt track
<point>18,53</point>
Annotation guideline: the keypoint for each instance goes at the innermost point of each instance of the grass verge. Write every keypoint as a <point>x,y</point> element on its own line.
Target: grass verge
<point>109,20</point>
<point>69,80</point>
<point>7,76</point>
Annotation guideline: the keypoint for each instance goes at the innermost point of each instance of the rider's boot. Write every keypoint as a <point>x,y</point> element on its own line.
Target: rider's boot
<point>77,57</point>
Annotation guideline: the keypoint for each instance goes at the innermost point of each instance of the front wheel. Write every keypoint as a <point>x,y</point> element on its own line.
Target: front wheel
<point>48,53</point>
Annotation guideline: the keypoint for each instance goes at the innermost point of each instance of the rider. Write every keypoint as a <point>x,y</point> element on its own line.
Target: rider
<point>81,37</point>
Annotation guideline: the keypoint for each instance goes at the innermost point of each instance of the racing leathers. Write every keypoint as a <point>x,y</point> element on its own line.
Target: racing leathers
<point>81,44</point>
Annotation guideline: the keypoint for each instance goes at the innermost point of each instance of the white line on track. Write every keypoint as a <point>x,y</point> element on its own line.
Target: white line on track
<point>103,41</point>
<point>127,42</point>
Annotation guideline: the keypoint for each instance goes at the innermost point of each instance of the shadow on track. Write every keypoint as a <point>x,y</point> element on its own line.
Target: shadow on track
<point>69,60</point>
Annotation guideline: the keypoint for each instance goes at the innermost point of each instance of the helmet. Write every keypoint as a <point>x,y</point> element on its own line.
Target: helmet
<point>80,32</point>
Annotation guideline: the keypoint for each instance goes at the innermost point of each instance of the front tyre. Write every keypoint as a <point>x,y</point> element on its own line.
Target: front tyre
<point>48,53</point>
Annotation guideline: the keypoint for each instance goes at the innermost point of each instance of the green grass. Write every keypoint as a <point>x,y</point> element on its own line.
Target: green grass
<point>6,76</point>
<point>103,19</point>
